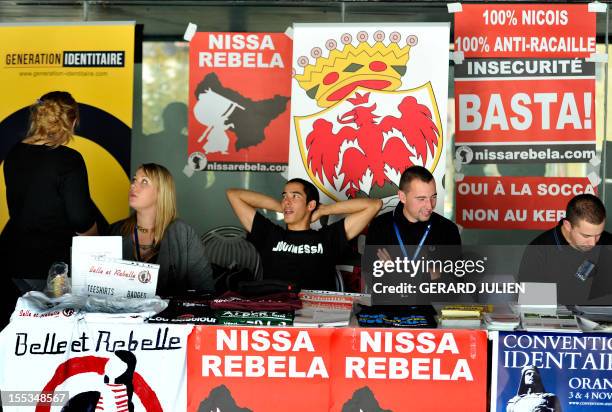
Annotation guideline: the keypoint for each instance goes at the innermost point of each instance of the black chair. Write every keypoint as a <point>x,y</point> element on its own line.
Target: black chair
<point>227,247</point>
<point>339,279</point>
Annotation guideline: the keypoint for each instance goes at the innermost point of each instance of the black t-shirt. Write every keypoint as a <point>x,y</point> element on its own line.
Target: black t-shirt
<point>305,257</point>
<point>48,201</point>
<point>442,232</point>
<point>381,231</point>
<point>550,259</point>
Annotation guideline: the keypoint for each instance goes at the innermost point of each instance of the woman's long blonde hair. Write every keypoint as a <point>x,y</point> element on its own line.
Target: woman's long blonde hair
<point>165,207</point>
<point>53,118</point>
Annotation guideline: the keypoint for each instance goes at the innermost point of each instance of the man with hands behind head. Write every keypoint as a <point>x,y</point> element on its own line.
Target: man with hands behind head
<point>297,253</point>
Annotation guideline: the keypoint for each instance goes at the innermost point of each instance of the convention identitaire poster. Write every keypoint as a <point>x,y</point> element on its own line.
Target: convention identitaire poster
<point>537,371</point>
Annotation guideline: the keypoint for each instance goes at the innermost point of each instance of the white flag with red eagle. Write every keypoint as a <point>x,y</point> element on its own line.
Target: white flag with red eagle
<point>367,102</point>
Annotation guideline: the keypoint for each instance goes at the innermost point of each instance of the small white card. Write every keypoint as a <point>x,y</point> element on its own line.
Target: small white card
<point>538,295</point>
<point>121,278</point>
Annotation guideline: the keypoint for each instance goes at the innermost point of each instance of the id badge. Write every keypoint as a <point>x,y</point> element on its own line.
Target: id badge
<point>585,270</point>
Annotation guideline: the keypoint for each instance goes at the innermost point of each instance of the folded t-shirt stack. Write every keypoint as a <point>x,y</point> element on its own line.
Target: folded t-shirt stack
<point>285,301</point>
<point>383,316</point>
<point>254,318</point>
<point>275,309</point>
<point>186,311</point>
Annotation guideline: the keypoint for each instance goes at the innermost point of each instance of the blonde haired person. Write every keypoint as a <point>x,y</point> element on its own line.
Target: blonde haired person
<point>153,234</point>
<point>46,192</point>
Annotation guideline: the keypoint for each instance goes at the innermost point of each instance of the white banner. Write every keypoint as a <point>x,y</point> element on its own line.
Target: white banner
<point>368,101</point>
<point>101,366</point>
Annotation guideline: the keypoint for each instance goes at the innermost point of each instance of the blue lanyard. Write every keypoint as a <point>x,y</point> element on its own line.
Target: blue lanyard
<point>421,242</point>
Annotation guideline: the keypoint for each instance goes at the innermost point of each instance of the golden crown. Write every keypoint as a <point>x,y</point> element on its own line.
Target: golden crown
<point>376,66</point>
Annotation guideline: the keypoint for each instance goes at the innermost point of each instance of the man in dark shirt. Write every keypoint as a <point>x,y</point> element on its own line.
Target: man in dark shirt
<point>573,254</point>
<point>413,225</point>
<point>297,253</point>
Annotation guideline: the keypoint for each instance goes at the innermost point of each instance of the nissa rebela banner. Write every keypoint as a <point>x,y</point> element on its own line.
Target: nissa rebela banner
<point>239,90</point>
<point>348,369</point>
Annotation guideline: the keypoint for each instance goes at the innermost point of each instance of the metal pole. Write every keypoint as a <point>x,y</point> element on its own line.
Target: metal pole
<point>605,128</point>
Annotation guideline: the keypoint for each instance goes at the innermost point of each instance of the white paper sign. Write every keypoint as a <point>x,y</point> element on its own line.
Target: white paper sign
<point>121,278</point>
<point>86,248</point>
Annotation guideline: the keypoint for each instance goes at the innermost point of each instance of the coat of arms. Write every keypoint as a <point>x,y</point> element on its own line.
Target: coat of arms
<point>369,128</point>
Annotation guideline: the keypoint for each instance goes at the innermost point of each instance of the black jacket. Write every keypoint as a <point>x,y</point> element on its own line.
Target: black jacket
<point>382,232</point>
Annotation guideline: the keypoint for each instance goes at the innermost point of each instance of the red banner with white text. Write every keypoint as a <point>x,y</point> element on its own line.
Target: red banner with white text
<point>258,369</point>
<point>502,202</point>
<point>525,30</point>
<point>344,369</point>
<point>509,98</point>
<point>400,370</point>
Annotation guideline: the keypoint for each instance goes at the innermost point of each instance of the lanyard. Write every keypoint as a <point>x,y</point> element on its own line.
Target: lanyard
<point>137,245</point>
<point>421,242</point>
<point>557,239</point>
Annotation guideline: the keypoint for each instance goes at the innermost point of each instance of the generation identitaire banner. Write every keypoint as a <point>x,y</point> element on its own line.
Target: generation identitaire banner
<point>545,371</point>
<point>92,366</point>
<point>95,63</point>
<point>239,89</point>
<point>326,369</point>
<point>525,93</point>
<point>368,101</point>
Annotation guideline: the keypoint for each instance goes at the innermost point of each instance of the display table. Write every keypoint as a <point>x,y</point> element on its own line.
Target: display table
<point>202,368</point>
<point>164,367</point>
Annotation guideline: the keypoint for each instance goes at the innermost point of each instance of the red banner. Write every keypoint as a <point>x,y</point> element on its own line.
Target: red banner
<point>526,30</point>
<point>524,110</point>
<point>502,202</point>
<point>523,92</point>
<point>258,369</point>
<point>347,369</point>
<point>239,92</point>
<point>405,370</point>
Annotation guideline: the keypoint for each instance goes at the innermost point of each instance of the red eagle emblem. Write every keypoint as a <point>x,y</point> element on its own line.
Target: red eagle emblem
<point>368,148</point>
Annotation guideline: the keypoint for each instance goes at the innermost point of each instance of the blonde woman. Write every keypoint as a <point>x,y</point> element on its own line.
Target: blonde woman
<point>46,192</point>
<point>153,234</point>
